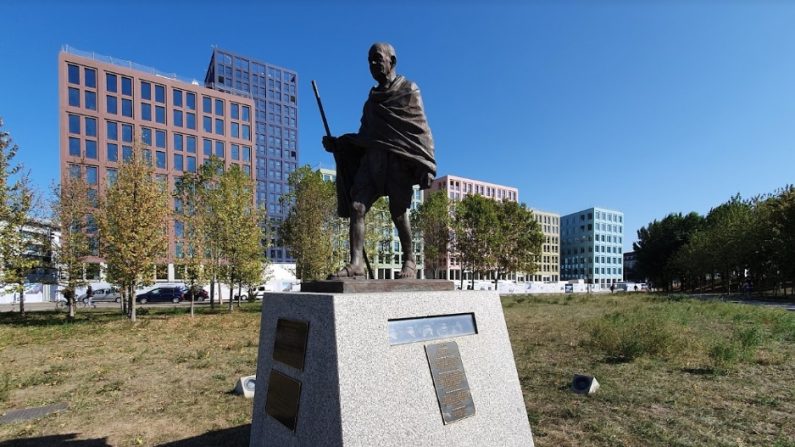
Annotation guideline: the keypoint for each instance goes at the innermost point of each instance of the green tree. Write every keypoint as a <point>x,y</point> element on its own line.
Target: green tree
<point>377,234</point>
<point>239,229</point>
<point>782,215</point>
<point>519,240</point>
<point>475,230</point>
<point>133,222</point>
<point>311,225</point>
<point>432,219</point>
<point>191,218</point>
<point>659,241</point>
<point>70,209</point>
<point>16,200</point>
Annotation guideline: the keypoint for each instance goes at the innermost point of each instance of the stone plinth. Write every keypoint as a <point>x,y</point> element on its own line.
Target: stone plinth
<point>346,370</point>
<point>376,285</point>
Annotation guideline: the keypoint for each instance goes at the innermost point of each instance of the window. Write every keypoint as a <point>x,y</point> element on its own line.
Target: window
<point>178,162</point>
<point>111,174</point>
<point>127,133</point>
<point>146,136</point>
<point>74,124</point>
<point>177,98</point>
<point>160,114</point>
<point>113,152</point>
<point>190,100</point>
<point>126,107</point>
<point>191,143</point>
<point>236,130</point>
<point>207,104</point>
<point>146,111</point>
<point>160,158</point>
<point>91,127</point>
<point>74,171</point>
<point>207,124</point>
<point>74,74</point>
<point>91,78</point>
<point>91,100</point>
<point>219,126</point>
<point>190,119</point>
<point>246,114</point>
<point>126,86</point>
<point>112,104</point>
<point>235,149</point>
<point>191,164</point>
<point>247,153</point>
<point>179,229</point>
<point>219,149</point>
<point>91,175</point>
<point>91,149</point>
<point>126,153</point>
<point>160,138</point>
<point>111,83</point>
<point>207,147</point>
<point>235,111</point>
<point>219,107</point>
<point>74,147</point>
<point>74,97</point>
<point>146,90</point>
<point>178,142</point>
<point>246,132</point>
<point>112,131</point>
<point>160,94</point>
<point>178,118</point>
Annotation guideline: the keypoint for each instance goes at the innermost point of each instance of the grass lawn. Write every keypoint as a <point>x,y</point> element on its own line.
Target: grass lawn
<point>673,372</point>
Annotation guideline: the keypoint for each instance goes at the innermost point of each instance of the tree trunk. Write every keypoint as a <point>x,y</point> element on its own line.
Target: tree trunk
<point>239,291</point>
<point>132,305</point>
<point>231,292</point>
<point>22,301</point>
<point>192,300</point>
<point>212,292</point>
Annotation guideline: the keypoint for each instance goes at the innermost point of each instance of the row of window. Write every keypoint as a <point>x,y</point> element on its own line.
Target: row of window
<point>600,215</point>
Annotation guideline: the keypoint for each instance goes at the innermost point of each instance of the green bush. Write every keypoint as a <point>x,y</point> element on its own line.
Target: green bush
<point>629,336</point>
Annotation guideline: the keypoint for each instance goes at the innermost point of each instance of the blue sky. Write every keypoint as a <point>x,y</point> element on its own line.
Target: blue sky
<point>644,107</point>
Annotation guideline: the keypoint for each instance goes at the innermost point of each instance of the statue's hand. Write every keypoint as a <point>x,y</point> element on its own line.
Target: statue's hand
<point>426,180</point>
<point>330,144</point>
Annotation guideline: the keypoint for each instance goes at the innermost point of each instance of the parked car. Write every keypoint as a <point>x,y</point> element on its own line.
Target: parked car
<point>199,294</point>
<point>255,293</point>
<point>174,294</point>
<point>103,294</point>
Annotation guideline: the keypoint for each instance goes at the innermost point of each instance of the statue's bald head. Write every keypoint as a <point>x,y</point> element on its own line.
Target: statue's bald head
<point>382,61</point>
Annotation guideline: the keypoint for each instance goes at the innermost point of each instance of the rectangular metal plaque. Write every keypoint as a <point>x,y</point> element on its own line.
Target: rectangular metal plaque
<point>281,403</point>
<point>450,381</point>
<point>411,330</point>
<point>289,345</point>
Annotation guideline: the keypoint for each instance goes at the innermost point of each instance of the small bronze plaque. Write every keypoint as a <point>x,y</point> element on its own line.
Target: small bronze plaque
<point>450,381</point>
<point>284,393</point>
<point>289,346</point>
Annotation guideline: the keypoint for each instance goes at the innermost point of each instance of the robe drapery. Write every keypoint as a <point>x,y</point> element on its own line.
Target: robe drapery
<point>393,120</point>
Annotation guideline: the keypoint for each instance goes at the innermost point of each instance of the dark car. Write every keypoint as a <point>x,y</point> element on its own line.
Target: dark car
<point>198,294</point>
<point>161,295</point>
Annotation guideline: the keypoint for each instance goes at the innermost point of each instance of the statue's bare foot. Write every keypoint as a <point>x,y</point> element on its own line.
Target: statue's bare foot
<point>409,270</point>
<point>349,271</point>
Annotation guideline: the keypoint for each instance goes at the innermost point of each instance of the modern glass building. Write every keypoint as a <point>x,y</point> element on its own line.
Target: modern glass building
<point>549,260</point>
<point>592,246</point>
<point>274,91</point>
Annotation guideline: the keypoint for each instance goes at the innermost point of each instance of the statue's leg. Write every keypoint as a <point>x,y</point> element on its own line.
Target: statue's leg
<point>400,217</point>
<point>356,233</point>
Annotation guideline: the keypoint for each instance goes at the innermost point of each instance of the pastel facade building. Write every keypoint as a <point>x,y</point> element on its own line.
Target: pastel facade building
<point>107,105</point>
<point>592,246</point>
<point>549,261</point>
<point>274,91</point>
<point>457,188</point>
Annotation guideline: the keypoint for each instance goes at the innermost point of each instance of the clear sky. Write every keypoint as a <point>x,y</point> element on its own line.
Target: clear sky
<point>643,107</point>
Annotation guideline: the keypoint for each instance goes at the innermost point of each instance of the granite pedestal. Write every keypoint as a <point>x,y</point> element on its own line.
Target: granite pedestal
<point>386,369</point>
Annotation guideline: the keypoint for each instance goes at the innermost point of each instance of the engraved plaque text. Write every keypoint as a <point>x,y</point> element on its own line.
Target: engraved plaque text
<point>289,346</point>
<point>281,403</point>
<point>450,381</point>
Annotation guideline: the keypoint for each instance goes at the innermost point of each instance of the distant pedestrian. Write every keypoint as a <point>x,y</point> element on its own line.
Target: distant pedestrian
<point>90,296</point>
<point>636,287</point>
<point>612,288</point>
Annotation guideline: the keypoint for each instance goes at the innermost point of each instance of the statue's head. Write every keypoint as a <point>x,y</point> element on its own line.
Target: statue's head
<point>382,61</point>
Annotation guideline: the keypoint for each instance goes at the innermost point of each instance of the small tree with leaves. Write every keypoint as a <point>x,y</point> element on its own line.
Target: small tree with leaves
<point>311,224</point>
<point>133,223</point>
<point>16,200</point>
<point>432,219</point>
<point>519,240</point>
<point>70,207</point>
<point>476,224</point>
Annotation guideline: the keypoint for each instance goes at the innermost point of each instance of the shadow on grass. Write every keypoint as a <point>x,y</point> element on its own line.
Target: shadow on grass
<point>230,437</point>
<point>700,371</point>
<point>59,318</point>
<point>56,440</point>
